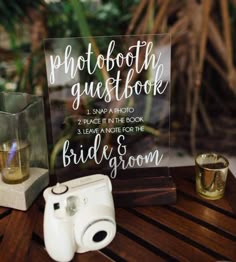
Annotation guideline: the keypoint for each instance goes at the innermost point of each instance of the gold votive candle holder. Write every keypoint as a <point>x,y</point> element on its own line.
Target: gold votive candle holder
<point>211,175</point>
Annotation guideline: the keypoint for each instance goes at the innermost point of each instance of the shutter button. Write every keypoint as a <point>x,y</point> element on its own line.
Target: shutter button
<point>59,189</point>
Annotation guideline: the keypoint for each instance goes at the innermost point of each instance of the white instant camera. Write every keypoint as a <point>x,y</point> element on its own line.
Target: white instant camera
<point>79,216</point>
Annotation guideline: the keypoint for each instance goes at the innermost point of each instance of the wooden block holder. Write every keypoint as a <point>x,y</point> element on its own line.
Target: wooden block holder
<point>144,187</point>
<point>133,187</point>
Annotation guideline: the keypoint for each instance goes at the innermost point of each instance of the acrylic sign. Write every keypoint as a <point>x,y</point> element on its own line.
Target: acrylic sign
<point>109,101</point>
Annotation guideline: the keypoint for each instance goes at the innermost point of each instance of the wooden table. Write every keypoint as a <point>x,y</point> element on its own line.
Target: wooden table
<point>193,229</point>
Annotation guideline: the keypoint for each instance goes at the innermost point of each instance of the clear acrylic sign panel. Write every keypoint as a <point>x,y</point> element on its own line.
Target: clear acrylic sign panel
<point>109,102</point>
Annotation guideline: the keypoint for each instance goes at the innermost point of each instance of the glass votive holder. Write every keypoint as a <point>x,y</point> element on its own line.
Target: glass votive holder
<point>211,175</point>
<point>23,143</point>
<point>14,161</point>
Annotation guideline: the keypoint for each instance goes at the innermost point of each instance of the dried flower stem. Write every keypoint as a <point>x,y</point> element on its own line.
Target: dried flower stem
<point>160,16</point>
<point>202,49</point>
<point>136,16</point>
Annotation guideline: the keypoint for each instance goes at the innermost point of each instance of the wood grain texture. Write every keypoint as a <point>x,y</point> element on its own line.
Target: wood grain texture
<point>17,236</point>
<point>199,235</point>
<point>134,186</point>
<point>192,229</point>
<point>130,250</point>
<point>4,217</point>
<point>37,253</point>
<point>144,191</point>
<point>187,186</point>
<point>159,238</point>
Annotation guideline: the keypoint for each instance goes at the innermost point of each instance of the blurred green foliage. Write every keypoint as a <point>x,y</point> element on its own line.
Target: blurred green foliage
<point>107,18</point>
<point>13,11</point>
<point>71,18</point>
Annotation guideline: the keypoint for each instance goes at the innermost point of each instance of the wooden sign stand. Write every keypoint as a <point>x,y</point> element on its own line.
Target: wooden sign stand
<point>133,187</point>
<point>144,187</point>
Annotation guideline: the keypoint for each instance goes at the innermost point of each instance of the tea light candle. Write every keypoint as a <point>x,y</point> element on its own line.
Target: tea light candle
<point>14,162</point>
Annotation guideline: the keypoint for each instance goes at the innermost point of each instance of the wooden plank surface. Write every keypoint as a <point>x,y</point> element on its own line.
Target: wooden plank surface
<point>4,216</point>
<point>199,235</point>
<point>159,238</point>
<point>193,229</point>
<point>17,236</point>
<point>186,186</point>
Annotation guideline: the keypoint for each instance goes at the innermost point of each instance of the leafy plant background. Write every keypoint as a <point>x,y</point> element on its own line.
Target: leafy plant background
<point>203,33</point>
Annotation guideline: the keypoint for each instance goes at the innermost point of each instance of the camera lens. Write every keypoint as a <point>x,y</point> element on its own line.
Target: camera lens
<point>99,236</point>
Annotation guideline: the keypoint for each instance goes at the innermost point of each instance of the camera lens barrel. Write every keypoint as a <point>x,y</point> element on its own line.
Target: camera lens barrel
<point>99,234</point>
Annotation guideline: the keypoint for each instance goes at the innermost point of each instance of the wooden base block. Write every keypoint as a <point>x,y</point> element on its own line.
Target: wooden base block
<point>144,187</point>
<point>144,192</point>
<point>134,187</point>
